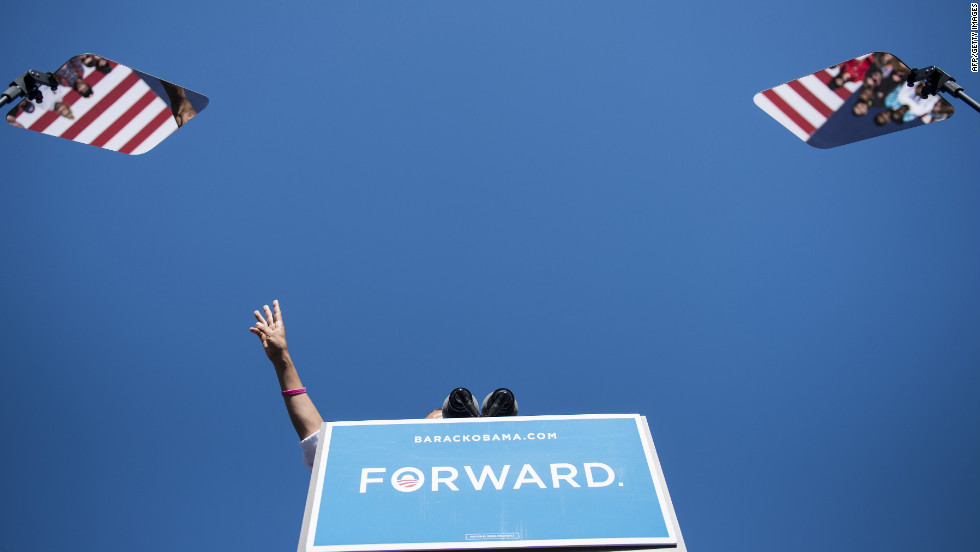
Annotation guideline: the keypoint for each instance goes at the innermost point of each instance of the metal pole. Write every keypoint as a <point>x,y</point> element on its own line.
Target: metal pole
<point>10,95</point>
<point>957,91</point>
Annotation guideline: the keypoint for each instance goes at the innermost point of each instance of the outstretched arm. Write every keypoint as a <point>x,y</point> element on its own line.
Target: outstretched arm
<point>271,331</point>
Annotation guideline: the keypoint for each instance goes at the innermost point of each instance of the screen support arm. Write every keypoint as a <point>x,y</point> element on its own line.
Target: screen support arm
<point>936,80</point>
<point>27,85</point>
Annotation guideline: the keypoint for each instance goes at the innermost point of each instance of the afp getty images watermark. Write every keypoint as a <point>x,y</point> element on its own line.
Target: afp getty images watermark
<point>973,37</point>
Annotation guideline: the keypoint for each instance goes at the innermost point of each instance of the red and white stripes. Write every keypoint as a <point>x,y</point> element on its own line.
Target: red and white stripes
<point>805,104</point>
<point>122,114</point>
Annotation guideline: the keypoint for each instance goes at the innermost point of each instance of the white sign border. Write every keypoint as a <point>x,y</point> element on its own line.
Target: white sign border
<point>672,541</point>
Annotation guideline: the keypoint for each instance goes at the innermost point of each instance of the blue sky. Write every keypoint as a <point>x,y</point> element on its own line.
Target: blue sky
<point>576,200</point>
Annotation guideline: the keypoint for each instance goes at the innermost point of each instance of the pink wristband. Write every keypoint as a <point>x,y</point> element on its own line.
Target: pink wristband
<point>291,392</point>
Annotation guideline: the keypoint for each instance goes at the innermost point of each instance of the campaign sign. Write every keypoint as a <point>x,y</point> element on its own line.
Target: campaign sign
<point>510,482</point>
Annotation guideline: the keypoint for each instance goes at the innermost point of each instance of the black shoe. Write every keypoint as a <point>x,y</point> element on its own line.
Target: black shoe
<point>460,404</point>
<point>499,403</point>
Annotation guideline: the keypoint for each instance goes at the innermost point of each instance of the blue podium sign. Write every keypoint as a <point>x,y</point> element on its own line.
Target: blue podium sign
<point>543,481</point>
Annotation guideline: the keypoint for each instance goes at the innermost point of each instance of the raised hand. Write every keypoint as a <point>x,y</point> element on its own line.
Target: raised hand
<point>271,331</point>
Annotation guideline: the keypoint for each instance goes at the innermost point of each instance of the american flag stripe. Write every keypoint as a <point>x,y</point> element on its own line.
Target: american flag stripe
<point>124,119</point>
<point>843,92</point>
<point>44,121</point>
<point>789,110</point>
<point>46,118</point>
<point>91,78</point>
<point>105,120</point>
<point>764,104</point>
<point>824,94</point>
<point>104,103</point>
<point>849,87</point>
<point>155,125</point>
<point>123,113</point>
<point>70,97</point>
<point>57,125</point>
<point>166,128</point>
<point>823,109</point>
<point>801,106</point>
<point>804,105</point>
<point>28,119</point>
<point>143,119</point>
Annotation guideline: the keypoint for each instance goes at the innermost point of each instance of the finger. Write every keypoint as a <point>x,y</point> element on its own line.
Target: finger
<point>259,317</point>
<point>268,314</point>
<point>277,312</point>
<point>260,335</point>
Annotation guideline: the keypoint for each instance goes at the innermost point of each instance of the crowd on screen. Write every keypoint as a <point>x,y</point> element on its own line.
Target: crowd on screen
<point>883,91</point>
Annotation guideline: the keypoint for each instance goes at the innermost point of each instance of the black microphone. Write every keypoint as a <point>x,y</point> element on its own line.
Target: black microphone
<point>499,403</point>
<point>460,404</point>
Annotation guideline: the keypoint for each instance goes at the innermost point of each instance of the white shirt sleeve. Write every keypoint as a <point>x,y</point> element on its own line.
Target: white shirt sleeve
<point>309,449</point>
